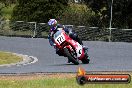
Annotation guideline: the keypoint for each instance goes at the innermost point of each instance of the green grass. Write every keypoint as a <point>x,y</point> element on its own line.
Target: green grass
<point>54,83</point>
<point>7,58</point>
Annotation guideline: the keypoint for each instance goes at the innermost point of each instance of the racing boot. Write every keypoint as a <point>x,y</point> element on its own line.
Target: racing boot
<point>68,61</point>
<point>85,50</point>
<point>86,53</point>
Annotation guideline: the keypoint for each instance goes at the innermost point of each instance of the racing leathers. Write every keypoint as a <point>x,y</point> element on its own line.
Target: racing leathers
<point>72,34</point>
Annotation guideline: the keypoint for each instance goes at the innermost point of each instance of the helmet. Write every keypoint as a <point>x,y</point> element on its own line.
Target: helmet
<point>52,23</point>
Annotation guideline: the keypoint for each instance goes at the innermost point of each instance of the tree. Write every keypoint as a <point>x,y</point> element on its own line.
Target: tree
<point>122,15</point>
<point>129,13</point>
<point>7,2</point>
<point>101,9</point>
<point>38,10</point>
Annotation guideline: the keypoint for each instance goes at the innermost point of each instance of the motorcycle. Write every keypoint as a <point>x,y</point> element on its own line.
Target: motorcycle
<point>70,48</point>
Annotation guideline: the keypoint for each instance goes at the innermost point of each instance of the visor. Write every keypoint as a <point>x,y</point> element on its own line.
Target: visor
<point>51,22</point>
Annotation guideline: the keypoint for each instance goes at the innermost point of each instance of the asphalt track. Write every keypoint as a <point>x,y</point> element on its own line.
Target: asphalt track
<point>105,56</point>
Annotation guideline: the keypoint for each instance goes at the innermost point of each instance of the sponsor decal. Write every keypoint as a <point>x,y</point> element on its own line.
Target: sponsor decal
<point>83,78</point>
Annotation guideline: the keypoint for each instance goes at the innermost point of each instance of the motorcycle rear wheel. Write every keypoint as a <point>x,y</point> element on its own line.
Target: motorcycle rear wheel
<point>70,57</point>
<point>86,60</point>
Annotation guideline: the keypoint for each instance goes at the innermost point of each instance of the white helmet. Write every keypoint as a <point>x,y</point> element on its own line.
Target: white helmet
<point>52,22</point>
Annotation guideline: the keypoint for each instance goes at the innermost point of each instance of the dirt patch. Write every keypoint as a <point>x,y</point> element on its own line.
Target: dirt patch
<point>37,76</point>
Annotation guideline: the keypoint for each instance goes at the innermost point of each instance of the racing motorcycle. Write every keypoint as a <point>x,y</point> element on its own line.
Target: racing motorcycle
<point>70,48</point>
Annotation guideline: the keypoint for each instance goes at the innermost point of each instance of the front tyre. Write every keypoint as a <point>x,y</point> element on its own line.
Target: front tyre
<point>72,59</point>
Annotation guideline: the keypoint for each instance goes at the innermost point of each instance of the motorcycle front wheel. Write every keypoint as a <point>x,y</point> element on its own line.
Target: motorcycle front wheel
<point>70,57</point>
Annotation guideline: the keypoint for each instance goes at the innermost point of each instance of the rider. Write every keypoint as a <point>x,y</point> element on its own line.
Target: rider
<point>54,28</point>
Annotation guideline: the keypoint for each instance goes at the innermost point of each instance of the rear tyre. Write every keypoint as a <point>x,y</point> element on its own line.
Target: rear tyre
<point>86,60</point>
<point>72,59</point>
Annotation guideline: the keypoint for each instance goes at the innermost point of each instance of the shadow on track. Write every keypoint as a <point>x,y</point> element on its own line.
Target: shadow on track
<point>67,64</point>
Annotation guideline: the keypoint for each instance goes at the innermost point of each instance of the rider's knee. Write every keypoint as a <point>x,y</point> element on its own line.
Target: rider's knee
<point>73,35</point>
<point>59,53</point>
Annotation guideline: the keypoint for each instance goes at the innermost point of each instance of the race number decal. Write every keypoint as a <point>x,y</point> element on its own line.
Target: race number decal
<point>60,39</point>
<point>79,50</point>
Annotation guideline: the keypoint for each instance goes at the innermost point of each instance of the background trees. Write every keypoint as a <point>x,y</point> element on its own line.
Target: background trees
<point>8,2</point>
<point>5,3</point>
<point>38,10</point>
<point>122,14</point>
<point>96,14</point>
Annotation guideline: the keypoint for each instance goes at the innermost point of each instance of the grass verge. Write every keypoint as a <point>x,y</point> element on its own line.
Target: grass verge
<point>59,80</point>
<point>7,58</point>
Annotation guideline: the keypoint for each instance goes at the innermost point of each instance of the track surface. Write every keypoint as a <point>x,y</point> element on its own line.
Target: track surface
<point>105,56</point>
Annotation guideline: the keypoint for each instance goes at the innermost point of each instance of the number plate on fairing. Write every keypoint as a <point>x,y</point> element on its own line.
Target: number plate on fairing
<point>60,39</point>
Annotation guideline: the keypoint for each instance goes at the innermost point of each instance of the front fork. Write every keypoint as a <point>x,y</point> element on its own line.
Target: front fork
<point>72,52</point>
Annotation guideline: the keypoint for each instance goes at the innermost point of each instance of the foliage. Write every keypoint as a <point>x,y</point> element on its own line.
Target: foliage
<point>1,7</point>
<point>121,11</point>
<point>7,2</point>
<point>3,4</point>
<point>77,14</point>
<point>38,10</point>
<point>7,11</point>
<point>101,8</point>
